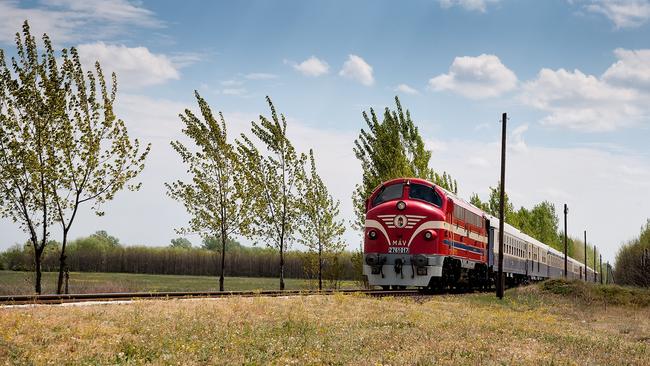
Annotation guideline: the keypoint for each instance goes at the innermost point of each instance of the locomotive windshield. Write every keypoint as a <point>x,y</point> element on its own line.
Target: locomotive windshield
<point>425,193</point>
<point>391,192</point>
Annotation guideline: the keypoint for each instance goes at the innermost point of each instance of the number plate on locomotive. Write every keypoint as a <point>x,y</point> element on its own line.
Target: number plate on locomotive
<point>398,250</point>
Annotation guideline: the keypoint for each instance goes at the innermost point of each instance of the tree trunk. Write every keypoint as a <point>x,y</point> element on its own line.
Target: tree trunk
<point>37,265</point>
<point>281,264</point>
<point>223,259</point>
<point>320,267</point>
<point>62,258</point>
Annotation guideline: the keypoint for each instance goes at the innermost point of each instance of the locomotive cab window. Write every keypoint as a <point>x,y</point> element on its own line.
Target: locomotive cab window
<point>425,193</point>
<point>389,193</point>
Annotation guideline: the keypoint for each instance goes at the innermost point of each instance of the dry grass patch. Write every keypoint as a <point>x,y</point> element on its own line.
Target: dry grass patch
<point>340,329</point>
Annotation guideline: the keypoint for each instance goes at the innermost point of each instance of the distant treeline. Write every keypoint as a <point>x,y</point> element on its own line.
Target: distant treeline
<point>633,260</point>
<point>101,252</point>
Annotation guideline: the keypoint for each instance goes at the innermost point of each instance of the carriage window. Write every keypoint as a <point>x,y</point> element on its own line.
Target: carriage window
<point>425,193</point>
<point>391,192</point>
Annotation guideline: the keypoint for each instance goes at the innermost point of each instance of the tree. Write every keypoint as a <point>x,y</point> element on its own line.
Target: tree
<point>543,223</point>
<point>96,157</point>
<point>272,180</point>
<point>215,243</point>
<point>476,201</point>
<point>633,260</point>
<point>320,229</point>
<point>494,203</point>
<point>31,95</point>
<point>216,198</point>
<point>103,237</point>
<point>180,243</point>
<point>391,149</point>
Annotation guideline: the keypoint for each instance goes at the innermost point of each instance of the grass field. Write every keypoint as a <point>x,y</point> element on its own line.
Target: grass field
<point>559,324</point>
<point>12,283</point>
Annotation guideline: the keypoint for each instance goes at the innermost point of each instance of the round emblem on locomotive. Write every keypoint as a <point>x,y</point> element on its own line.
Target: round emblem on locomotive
<point>400,221</point>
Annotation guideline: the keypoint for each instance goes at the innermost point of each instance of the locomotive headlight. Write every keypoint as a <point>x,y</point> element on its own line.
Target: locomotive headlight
<point>372,234</point>
<point>401,205</point>
<point>428,235</point>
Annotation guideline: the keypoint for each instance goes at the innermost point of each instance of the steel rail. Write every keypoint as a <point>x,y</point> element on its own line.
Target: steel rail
<point>128,296</point>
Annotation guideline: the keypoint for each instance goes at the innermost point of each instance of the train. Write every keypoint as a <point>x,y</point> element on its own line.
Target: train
<point>418,234</point>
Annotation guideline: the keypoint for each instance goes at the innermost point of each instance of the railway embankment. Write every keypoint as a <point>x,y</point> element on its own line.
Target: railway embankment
<point>555,322</point>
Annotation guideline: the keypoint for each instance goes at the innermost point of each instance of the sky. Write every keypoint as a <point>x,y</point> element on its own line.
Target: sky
<point>573,76</point>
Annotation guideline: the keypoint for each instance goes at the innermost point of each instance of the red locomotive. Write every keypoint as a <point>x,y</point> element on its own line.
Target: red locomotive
<point>418,234</point>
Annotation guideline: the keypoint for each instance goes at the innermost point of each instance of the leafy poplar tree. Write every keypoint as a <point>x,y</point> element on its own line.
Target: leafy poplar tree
<point>31,100</point>
<point>391,149</point>
<point>96,156</point>
<point>180,243</point>
<point>273,180</point>
<point>320,228</point>
<point>215,198</point>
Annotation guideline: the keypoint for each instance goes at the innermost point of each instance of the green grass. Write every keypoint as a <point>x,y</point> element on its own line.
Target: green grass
<point>12,283</point>
<point>588,293</point>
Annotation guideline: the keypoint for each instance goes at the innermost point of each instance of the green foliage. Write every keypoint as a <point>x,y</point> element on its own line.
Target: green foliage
<point>391,149</point>
<point>541,222</point>
<point>32,96</point>
<point>320,228</point>
<point>180,243</point>
<point>631,268</point>
<point>216,198</point>
<point>272,181</point>
<point>214,243</point>
<point>61,143</point>
<point>493,204</point>
<point>591,293</point>
<point>476,201</point>
<point>100,241</point>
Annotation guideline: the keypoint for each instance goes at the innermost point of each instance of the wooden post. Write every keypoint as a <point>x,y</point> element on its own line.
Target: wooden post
<point>601,269</point>
<point>500,278</point>
<point>586,256</point>
<point>566,211</point>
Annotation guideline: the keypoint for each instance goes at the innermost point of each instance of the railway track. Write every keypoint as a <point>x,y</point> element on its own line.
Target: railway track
<point>130,296</point>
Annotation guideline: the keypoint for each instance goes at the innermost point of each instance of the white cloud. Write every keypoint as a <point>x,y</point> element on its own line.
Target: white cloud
<point>478,77</point>
<point>517,143</point>
<point>473,5</point>
<point>122,11</point>
<point>403,88</point>
<point>74,20</point>
<point>582,102</point>
<point>623,13</point>
<point>631,70</point>
<point>312,67</point>
<point>358,69</point>
<point>260,76</point>
<point>234,91</point>
<point>232,83</point>
<point>134,66</point>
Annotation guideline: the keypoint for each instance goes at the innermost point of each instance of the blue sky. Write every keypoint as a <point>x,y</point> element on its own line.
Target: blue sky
<point>574,76</point>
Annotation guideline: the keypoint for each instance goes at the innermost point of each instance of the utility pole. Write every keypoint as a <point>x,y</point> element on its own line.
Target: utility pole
<point>601,269</point>
<point>586,256</point>
<point>500,280</point>
<point>566,211</point>
<point>595,278</point>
